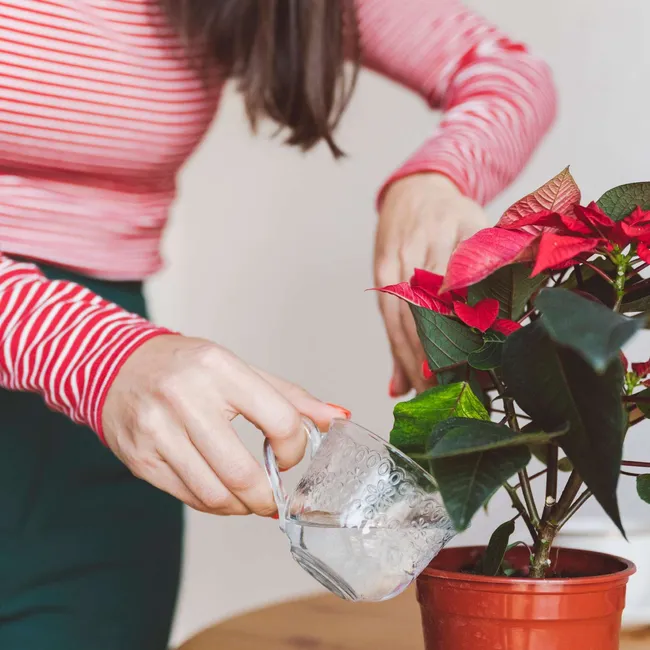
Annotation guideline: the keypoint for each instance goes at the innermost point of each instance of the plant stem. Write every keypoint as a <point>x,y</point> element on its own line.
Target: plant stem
<point>520,508</point>
<point>580,501</point>
<point>551,481</point>
<point>622,266</point>
<point>619,302</point>
<point>552,513</point>
<point>540,560</point>
<point>633,474</point>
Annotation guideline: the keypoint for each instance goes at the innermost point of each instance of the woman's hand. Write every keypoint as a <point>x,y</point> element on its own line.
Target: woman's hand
<point>168,416</point>
<point>422,218</point>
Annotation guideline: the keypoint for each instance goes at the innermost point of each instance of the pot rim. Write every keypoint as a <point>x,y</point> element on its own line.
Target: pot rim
<point>629,568</point>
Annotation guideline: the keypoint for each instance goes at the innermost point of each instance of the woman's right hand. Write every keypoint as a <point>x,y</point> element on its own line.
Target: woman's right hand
<point>168,417</point>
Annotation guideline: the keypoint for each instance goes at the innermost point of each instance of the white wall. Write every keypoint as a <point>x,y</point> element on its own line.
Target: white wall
<point>271,252</point>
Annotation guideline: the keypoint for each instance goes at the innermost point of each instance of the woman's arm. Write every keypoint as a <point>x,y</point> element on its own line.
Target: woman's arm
<point>498,100</point>
<point>162,404</point>
<point>62,341</point>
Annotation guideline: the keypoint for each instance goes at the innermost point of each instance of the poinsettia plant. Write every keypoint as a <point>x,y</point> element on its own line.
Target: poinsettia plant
<point>523,341</point>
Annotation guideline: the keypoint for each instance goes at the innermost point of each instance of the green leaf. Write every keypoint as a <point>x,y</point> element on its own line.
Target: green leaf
<point>637,299</point>
<point>488,357</point>
<point>592,330</point>
<point>467,482</point>
<point>457,436</point>
<point>447,342</point>
<point>620,201</point>
<point>540,451</point>
<point>496,548</point>
<point>467,374</point>
<point>554,385</point>
<point>415,419</point>
<point>512,286</point>
<point>565,465</point>
<point>642,400</point>
<point>643,487</point>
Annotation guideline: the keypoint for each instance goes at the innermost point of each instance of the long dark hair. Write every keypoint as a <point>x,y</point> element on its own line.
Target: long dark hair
<point>288,57</point>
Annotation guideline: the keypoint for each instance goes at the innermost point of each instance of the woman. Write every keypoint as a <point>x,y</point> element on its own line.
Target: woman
<point>101,103</point>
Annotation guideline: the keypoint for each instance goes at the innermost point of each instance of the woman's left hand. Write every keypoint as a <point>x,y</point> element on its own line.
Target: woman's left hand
<point>422,219</point>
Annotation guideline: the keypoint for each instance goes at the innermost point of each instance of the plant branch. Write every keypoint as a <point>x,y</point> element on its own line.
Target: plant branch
<point>636,270</point>
<point>580,501</point>
<point>634,463</point>
<point>524,480</point>
<point>521,509</point>
<point>533,477</point>
<point>600,272</point>
<point>569,493</point>
<point>528,314</point>
<point>644,284</point>
<point>501,412</point>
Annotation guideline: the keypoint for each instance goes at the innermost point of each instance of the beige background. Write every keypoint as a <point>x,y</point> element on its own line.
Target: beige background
<point>271,253</point>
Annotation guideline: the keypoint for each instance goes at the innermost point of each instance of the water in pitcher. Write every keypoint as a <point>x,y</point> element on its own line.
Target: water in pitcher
<point>359,563</point>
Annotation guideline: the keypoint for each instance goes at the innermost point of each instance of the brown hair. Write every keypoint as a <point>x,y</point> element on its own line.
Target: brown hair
<point>288,57</point>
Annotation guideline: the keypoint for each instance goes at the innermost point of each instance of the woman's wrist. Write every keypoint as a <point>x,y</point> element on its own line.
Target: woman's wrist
<point>121,355</point>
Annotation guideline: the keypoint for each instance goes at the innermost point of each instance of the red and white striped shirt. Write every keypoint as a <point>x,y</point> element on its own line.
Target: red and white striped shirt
<point>99,108</point>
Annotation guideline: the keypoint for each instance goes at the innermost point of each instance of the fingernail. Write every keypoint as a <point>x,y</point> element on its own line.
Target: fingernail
<point>276,516</point>
<point>392,391</point>
<point>347,414</point>
<point>426,371</point>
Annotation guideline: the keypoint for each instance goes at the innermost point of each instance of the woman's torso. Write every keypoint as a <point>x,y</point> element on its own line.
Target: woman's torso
<point>99,107</point>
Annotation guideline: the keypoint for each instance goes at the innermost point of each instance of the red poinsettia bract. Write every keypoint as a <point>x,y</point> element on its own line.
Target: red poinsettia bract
<point>423,290</point>
<point>549,228</point>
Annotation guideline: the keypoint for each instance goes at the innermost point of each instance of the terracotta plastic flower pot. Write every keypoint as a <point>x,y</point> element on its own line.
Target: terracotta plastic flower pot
<point>461,611</point>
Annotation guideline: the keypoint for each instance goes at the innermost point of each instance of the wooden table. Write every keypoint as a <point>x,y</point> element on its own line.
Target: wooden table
<point>327,623</point>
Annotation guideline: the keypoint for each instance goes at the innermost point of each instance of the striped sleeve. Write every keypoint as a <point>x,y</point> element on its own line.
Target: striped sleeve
<point>498,100</point>
<point>62,341</point>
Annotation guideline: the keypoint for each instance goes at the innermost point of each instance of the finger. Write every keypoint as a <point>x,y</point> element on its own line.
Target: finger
<point>401,346</point>
<point>320,412</point>
<point>194,471</point>
<point>238,471</point>
<point>390,311</point>
<point>165,479</point>
<point>399,383</point>
<point>261,404</point>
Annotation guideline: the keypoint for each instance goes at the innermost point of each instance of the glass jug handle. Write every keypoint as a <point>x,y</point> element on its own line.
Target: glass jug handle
<point>314,439</point>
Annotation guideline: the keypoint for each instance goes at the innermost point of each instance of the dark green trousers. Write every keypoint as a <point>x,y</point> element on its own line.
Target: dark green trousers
<point>89,555</point>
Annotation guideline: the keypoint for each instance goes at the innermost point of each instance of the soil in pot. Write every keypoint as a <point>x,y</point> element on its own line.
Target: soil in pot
<point>463,611</point>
